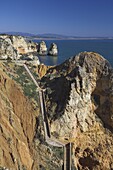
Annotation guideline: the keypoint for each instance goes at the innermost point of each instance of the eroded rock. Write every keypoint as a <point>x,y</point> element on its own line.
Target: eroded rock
<point>53,51</point>
<point>7,50</point>
<point>42,49</point>
<point>17,126</point>
<point>15,47</point>
<point>79,100</point>
<point>79,106</point>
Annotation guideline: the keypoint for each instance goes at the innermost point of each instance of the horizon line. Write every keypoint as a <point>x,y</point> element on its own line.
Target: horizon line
<point>54,34</point>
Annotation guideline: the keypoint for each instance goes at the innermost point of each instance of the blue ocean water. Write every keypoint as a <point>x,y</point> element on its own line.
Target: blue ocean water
<point>68,48</point>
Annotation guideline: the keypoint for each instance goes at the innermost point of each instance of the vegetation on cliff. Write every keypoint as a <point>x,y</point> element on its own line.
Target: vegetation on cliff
<point>79,101</point>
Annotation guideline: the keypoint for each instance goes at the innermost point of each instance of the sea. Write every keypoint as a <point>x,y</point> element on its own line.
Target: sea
<point>69,48</point>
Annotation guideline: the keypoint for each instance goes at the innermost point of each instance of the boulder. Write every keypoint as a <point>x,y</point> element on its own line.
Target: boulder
<point>42,49</point>
<point>53,51</point>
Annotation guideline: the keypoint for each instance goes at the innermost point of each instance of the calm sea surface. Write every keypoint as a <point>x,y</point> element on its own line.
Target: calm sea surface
<point>68,48</point>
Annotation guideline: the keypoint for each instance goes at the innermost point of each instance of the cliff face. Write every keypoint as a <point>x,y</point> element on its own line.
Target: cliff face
<point>80,108</point>
<point>17,126</point>
<point>22,140</point>
<point>14,46</point>
<point>7,50</point>
<point>79,100</point>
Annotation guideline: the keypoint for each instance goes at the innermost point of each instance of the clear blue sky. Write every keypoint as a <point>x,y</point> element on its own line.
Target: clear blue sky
<point>67,17</point>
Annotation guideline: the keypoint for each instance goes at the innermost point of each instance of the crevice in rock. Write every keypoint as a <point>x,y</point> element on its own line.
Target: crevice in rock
<point>88,162</point>
<point>12,157</point>
<point>103,105</point>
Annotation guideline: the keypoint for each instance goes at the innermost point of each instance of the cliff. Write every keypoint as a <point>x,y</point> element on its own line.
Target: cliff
<point>17,125</point>
<point>13,47</point>
<point>79,103</point>
<point>22,140</point>
<point>80,108</point>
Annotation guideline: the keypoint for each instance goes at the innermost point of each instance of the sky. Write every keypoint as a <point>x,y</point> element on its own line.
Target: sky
<point>66,17</point>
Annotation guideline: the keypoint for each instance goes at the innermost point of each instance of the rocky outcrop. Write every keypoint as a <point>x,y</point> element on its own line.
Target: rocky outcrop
<point>22,140</point>
<point>7,50</point>
<point>80,108</point>
<point>53,51</point>
<point>79,100</point>
<point>42,69</point>
<point>21,44</point>
<point>14,47</point>
<point>42,49</point>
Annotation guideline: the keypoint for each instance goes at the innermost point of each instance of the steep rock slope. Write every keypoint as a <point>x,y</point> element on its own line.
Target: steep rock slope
<point>79,100</point>
<point>80,108</point>
<point>17,126</point>
<point>22,139</point>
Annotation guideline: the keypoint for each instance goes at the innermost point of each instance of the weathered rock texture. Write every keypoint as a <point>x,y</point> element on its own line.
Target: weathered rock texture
<point>14,47</point>
<point>22,140</point>
<point>53,51</point>
<point>42,49</point>
<point>7,50</point>
<point>79,101</point>
<point>80,108</point>
<point>42,70</point>
<point>17,126</point>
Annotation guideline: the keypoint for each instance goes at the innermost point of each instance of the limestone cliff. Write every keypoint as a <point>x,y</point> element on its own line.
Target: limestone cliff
<point>7,50</point>
<point>79,100</point>
<point>17,126</point>
<point>14,47</point>
<point>22,140</point>
<point>80,108</point>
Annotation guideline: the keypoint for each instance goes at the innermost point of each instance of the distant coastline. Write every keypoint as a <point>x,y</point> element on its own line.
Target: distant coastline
<point>55,36</point>
<point>82,38</point>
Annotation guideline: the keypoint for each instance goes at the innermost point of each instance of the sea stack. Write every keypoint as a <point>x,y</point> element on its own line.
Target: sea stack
<point>53,51</point>
<point>42,48</point>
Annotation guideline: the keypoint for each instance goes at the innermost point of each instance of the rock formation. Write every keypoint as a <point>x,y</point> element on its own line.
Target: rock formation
<point>42,49</point>
<point>7,50</point>
<point>17,126</point>
<point>80,108</point>
<point>53,51</point>
<point>42,69</point>
<point>22,142</point>
<point>79,100</point>
<point>14,47</point>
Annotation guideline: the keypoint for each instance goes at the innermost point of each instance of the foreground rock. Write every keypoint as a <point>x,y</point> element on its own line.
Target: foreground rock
<point>22,140</point>
<point>79,100</point>
<point>80,108</point>
<point>17,126</point>
<point>53,51</point>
